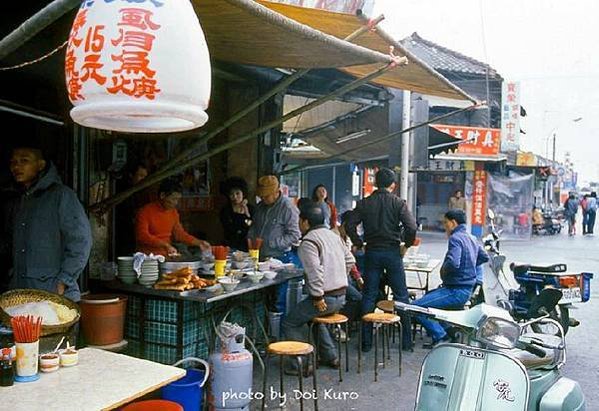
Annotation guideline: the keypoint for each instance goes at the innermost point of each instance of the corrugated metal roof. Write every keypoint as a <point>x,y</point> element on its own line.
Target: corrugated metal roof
<point>444,59</point>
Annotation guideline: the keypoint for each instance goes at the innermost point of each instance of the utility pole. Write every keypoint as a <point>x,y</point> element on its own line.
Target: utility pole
<point>405,148</point>
<point>553,158</point>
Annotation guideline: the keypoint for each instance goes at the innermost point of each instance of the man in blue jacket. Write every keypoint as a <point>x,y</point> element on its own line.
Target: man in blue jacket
<point>50,233</point>
<point>458,273</point>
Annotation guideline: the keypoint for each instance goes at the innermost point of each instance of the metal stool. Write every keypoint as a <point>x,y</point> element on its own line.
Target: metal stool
<point>291,349</point>
<point>383,320</point>
<point>336,320</point>
<point>387,306</point>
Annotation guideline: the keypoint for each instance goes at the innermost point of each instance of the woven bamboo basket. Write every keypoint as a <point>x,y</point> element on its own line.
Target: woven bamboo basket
<point>23,296</point>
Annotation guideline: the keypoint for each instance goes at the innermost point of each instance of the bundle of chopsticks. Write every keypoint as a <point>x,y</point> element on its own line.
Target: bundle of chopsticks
<point>255,244</point>
<point>26,328</point>
<point>220,252</point>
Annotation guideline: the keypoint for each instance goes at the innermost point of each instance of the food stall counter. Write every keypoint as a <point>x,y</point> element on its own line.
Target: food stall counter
<point>204,295</point>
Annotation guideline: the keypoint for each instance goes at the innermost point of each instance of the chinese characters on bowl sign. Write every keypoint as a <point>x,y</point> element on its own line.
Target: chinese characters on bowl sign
<point>130,52</point>
<point>480,141</point>
<point>138,66</point>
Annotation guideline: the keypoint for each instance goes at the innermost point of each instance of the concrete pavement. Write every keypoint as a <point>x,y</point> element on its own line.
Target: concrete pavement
<point>360,392</point>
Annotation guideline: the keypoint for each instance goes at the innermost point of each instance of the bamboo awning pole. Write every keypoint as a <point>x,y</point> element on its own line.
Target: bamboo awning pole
<point>389,136</point>
<point>369,25</point>
<point>36,23</point>
<point>104,205</point>
<point>280,86</point>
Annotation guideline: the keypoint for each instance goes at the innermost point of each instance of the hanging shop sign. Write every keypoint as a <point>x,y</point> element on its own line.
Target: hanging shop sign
<point>479,196</point>
<point>480,141</point>
<point>138,66</point>
<point>451,165</point>
<point>510,116</point>
<point>527,159</point>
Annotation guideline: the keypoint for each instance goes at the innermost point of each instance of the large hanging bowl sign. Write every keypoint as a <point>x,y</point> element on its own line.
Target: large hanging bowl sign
<point>138,66</point>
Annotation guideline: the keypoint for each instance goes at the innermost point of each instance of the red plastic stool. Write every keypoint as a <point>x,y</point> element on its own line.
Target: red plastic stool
<point>153,405</point>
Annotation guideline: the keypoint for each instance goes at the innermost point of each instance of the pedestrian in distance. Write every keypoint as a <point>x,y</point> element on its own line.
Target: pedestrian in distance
<point>592,206</point>
<point>570,211</point>
<point>585,213</point>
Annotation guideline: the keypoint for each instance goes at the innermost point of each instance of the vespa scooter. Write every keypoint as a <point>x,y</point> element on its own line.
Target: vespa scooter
<point>503,367</point>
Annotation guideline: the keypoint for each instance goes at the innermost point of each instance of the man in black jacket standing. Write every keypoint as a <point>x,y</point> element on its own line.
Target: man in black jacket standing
<point>383,216</point>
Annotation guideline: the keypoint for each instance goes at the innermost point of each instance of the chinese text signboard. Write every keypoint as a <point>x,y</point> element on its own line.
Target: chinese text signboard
<point>479,141</point>
<point>451,165</point>
<point>479,196</point>
<point>116,55</point>
<point>510,116</point>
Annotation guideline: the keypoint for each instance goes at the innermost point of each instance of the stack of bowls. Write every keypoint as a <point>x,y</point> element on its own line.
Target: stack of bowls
<point>149,273</point>
<point>125,270</point>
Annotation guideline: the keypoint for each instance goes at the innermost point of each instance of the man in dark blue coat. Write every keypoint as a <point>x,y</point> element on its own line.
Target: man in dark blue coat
<point>51,235</point>
<point>458,273</point>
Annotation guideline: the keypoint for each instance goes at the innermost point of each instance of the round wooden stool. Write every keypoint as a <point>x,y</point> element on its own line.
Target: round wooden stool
<point>294,349</point>
<point>383,320</point>
<point>387,306</point>
<point>336,320</point>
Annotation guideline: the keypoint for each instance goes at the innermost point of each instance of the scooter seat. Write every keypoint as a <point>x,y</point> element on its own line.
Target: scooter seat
<point>532,361</point>
<point>519,268</point>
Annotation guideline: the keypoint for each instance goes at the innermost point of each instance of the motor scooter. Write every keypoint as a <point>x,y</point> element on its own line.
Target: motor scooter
<point>515,289</point>
<point>503,366</point>
<point>550,226</point>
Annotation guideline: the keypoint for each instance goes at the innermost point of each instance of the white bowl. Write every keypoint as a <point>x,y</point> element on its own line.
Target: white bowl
<point>229,284</point>
<point>240,264</point>
<point>269,275</point>
<point>255,277</point>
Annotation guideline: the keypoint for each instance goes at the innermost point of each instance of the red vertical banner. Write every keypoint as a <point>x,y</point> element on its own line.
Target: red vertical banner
<point>479,196</point>
<point>369,181</point>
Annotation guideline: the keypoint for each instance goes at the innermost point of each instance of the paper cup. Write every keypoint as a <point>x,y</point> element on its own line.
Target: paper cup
<point>219,267</point>
<point>27,358</point>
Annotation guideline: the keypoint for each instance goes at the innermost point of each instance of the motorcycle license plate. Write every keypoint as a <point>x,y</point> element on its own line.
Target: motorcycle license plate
<point>570,295</point>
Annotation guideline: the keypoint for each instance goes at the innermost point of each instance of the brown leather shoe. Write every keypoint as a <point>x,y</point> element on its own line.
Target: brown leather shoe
<point>334,363</point>
<point>294,371</point>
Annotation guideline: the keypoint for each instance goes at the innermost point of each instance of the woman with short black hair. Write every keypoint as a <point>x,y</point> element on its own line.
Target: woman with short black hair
<point>236,216</point>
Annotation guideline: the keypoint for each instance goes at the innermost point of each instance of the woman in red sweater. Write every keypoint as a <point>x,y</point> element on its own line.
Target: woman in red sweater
<point>158,224</point>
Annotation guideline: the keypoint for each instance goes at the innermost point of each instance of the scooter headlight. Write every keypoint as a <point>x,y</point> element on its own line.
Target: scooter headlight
<point>498,332</point>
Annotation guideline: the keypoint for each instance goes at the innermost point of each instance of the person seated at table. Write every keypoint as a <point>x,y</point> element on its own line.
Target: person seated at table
<point>326,261</point>
<point>458,274</point>
<point>158,224</point>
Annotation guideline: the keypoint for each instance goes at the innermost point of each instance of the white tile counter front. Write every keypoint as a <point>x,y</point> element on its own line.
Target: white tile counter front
<point>101,381</point>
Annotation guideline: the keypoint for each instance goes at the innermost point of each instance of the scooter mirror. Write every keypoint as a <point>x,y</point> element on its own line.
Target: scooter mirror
<point>491,214</point>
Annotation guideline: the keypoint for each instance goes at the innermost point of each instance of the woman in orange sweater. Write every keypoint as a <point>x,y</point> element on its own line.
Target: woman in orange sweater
<point>158,224</point>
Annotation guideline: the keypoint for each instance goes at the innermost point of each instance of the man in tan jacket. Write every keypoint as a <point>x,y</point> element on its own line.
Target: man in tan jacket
<point>326,261</point>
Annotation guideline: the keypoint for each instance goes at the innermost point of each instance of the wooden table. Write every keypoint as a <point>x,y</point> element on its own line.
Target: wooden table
<point>101,381</point>
<point>420,271</point>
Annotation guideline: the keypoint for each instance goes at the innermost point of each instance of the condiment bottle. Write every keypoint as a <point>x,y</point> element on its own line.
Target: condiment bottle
<point>6,370</point>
